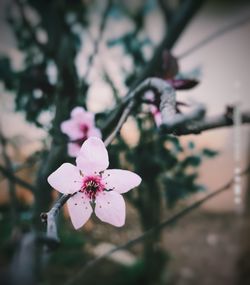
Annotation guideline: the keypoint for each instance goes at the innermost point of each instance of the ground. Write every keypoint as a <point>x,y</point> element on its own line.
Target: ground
<point>205,249</point>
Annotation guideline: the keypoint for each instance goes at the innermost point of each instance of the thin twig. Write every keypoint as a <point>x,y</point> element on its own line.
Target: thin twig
<point>120,123</point>
<point>50,218</point>
<point>168,222</point>
<point>116,95</point>
<point>221,32</point>
<point>98,39</point>
<point>29,27</point>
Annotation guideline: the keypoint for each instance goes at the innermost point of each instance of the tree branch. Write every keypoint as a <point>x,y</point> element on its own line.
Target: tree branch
<point>120,123</point>
<point>171,119</point>
<point>50,218</point>
<point>193,122</point>
<point>178,120</point>
<point>166,9</point>
<point>168,222</point>
<point>219,121</point>
<point>180,20</point>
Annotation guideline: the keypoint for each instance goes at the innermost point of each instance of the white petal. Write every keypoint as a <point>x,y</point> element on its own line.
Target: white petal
<point>120,180</point>
<point>110,208</point>
<point>80,209</point>
<point>93,156</point>
<point>66,179</point>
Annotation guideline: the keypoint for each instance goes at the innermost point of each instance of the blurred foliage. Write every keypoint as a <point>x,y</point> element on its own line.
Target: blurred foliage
<point>51,45</point>
<point>6,229</point>
<point>54,20</point>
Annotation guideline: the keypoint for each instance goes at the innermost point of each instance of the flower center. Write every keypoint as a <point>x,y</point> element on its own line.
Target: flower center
<point>84,129</point>
<point>92,185</point>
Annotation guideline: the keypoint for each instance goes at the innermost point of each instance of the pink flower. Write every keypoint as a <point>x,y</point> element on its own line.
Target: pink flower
<point>78,128</point>
<point>153,108</point>
<point>156,114</point>
<point>94,188</point>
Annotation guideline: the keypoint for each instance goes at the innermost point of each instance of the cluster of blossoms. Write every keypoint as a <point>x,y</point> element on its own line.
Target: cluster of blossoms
<point>94,187</point>
<point>78,128</point>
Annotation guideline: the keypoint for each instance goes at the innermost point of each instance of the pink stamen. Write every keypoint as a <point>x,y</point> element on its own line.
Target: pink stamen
<point>92,185</point>
<point>84,128</point>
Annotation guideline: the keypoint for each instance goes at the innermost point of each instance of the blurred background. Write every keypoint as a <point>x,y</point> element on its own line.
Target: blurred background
<point>55,55</point>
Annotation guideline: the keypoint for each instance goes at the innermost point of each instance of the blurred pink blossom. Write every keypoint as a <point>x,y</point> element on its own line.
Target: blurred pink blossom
<point>94,188</point>
<point>153,108</point>
<point>78,128</point>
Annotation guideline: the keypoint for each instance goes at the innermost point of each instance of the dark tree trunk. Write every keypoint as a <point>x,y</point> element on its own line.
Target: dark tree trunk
<point>29,258</point>
<point>154,256</point>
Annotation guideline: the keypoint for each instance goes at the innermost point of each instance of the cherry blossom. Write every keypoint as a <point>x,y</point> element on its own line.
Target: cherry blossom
<point>93,186</point>
<point>78,128</point>
<point>156,114</point>
<point>153,108</point>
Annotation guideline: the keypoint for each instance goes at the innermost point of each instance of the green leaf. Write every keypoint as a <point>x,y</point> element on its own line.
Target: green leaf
<point>193,160</point>
<point>209,152</point>
<point>191,145</point>
<point>6,73</point>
